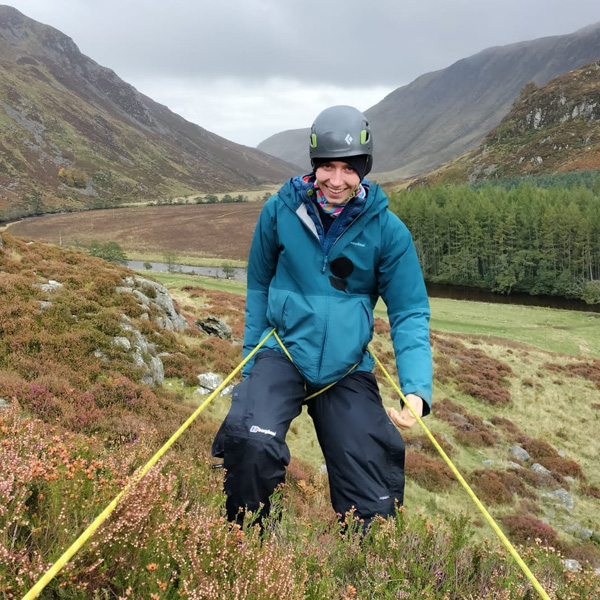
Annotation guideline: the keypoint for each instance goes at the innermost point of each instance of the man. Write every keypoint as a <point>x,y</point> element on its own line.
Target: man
<point>324,249</point>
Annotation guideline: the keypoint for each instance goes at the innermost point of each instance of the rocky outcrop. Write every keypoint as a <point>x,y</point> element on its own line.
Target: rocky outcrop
<point>143,353</point>
<point>156,299</point>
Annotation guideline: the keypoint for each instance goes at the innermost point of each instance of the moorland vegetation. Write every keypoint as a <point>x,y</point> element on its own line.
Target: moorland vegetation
<point>76,422</point>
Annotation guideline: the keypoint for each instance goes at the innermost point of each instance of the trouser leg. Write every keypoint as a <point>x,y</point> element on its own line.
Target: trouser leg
<point>363,450</point>
<point>251,439</point>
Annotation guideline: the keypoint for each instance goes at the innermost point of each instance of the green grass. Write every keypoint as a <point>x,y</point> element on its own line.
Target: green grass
<point>194,261</point>
<point>564,331</point>
<point>181,280</point>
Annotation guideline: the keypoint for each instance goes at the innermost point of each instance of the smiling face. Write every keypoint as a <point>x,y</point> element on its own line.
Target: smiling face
<point>337,180</point>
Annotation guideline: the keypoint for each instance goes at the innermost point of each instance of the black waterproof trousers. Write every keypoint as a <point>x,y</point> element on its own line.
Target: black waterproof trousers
<point>363,450</point>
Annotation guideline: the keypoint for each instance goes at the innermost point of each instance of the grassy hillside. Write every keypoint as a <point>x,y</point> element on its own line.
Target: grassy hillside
<point>76,136</point>
<point>549,129</point>
<point>76,421</point>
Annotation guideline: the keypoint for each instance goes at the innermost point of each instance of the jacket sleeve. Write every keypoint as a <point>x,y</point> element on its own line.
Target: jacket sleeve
<point>262,262</point>
<point>402,288</point>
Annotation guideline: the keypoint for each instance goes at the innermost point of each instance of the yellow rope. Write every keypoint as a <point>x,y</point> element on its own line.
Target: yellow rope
<point>292,361</point>
<point>468,489</point>
<point>82,539</point>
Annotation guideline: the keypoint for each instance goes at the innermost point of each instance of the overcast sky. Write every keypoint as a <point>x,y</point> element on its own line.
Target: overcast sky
<point>246,69</point>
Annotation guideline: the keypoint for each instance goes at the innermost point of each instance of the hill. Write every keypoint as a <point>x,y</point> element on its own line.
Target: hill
<point>74,135</point>
<point>445,113</point>
<point>550,129</point>
<point>79,413</point>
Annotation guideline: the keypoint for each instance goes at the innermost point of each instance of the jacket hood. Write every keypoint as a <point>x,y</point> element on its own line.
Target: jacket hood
<point>295,191</point>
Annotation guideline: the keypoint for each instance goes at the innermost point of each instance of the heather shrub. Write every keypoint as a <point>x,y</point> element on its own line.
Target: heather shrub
<point>506,425</point>
<point>475,438</point>
<point>586,552</point>
<point>498,487</point>
<point>589,370</point>
<point>422,443</point>
<point>544,453</point>
<point>432,474</point>
<point>381,327</point>
<point>536,480</point>
<point>473,372</point>
<point>469,429</point>
<point>591,490</point>
<point>524,529</point>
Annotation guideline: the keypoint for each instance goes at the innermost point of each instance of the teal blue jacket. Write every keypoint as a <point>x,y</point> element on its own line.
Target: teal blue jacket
<point>319,291</point>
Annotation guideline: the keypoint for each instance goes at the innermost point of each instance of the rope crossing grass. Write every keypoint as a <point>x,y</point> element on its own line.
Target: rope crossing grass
<point>534,582</point>
<point>35,591</point>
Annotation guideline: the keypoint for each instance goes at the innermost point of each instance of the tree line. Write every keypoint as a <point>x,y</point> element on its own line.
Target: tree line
<point>513,238</point>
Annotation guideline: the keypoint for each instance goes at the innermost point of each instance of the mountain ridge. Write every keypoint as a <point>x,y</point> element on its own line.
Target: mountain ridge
<point>444,113</point>
<point>550,129</point>
<point>62,109</point>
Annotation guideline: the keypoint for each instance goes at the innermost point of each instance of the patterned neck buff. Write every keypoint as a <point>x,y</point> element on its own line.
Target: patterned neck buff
<point>334,210</point>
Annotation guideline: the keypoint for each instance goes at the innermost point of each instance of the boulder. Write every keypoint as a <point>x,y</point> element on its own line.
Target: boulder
<point>540,469</point>
<point>214,326</point>
<point>50,286</point>
<point>571,564</point>
<point>520,453</point>
<point>209,382</point>
<point>561,498</point>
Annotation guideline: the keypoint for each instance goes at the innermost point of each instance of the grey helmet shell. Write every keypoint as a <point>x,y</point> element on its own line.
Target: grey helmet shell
<point>340,131</point>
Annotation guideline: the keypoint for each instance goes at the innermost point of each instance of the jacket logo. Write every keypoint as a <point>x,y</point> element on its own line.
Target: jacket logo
<point>358,244</point>
<point>257,429</point>
<point>348,139</point>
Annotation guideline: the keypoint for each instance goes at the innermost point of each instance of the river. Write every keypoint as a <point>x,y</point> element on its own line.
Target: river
<point>435,290</point>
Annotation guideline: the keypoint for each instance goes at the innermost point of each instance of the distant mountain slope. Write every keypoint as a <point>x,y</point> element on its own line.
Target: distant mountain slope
<point>442,114</point>
<point>61,110</point>
<point>555,128</point>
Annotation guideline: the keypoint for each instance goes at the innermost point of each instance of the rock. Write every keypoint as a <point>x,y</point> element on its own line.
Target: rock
<point>520,453</point>
<point>1,241</point>
<point>162,299</point>
<point>487,462</point>
<point>210,381</point>
<point>586,533</point>
<point>562,498</point>
<point>513,465</point>
<point>143,353</point>
<point>487,423</point>
<point>226,391</point>
<point>150,293</point>
<point>50,286</point>
<point>571,564</point>
<point>4,403</point>
<point>121,342</point>
<point>540,469</point>
<point>583,533</point>
<point>44,305</point>
<point>214,326</point>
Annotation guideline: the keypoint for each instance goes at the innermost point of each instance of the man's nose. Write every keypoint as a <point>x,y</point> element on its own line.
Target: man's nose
<point>337,176</point>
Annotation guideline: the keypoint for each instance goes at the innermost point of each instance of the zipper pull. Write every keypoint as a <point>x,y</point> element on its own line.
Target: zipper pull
<point>324,264</point>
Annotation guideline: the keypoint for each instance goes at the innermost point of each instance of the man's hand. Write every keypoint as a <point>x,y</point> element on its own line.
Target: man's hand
<point>404,419</point>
